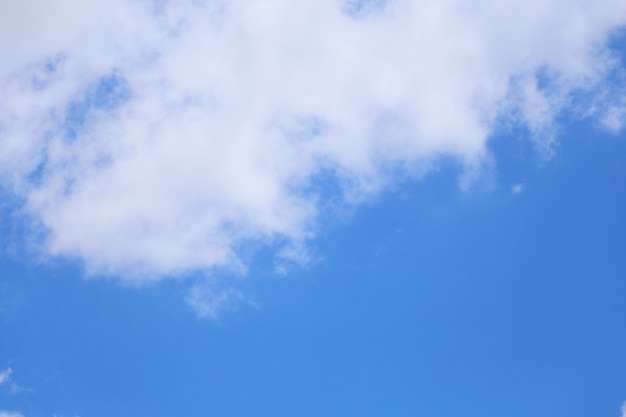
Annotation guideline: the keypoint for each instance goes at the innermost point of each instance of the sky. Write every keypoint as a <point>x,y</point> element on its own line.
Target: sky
<point>313,208</point>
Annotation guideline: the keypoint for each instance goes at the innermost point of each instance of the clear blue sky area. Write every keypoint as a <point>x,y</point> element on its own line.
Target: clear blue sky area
<point>429,302</point>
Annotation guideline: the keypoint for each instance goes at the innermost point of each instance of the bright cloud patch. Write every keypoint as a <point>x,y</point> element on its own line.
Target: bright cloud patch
<point>151,138</point>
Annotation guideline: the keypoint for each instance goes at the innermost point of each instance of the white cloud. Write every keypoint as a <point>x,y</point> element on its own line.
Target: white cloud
<point>154,138</point>
<point>6,379</point>
<point>614,118</point>
<point>209,302</point>
<point>624,409</point>
<point>10,414</point>
<point>5,376</point>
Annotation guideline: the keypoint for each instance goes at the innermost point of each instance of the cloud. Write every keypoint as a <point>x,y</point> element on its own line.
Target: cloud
<point>518,188</point>
<point>6,379</point>
<point>623,409</point>
<point>156,138</point>
<point>10,414</point>
<point>5,376</point>
<point>209,302</point>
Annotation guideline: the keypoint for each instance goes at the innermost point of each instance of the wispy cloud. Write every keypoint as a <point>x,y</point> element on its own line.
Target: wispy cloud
<point>518,188</point>
<point>5,376</point>
<point>208,301</point>
<point>624,409</point>
<point>6,380</point>
<point>10,414</point>
<point>151,139</point>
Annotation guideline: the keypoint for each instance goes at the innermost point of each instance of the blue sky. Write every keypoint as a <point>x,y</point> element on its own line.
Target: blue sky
<point>220,209</point>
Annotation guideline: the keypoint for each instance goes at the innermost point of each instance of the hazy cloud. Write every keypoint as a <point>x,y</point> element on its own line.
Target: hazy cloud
<point>209,302</point>
<point>518,188</point>
<point>153,138</point>
<point>6,379</point>
<point>10,414</point>
<point>5,376</point>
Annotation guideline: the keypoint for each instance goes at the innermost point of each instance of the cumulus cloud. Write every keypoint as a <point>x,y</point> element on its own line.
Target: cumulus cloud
<point>151,138</point>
